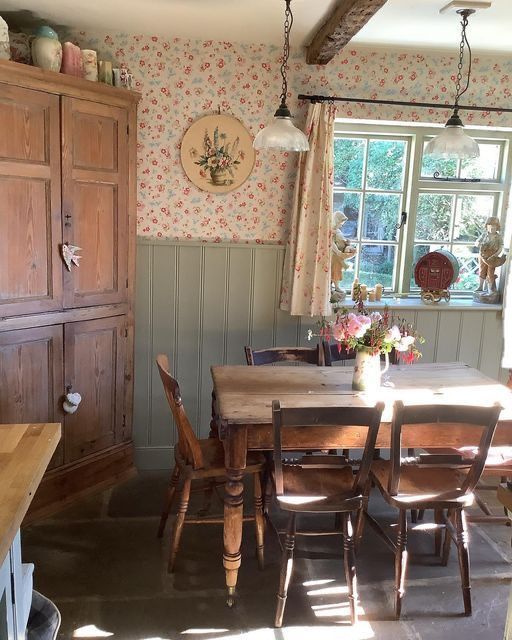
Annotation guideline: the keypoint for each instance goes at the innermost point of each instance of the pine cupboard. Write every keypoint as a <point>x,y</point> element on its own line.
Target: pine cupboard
<point>68,176</point>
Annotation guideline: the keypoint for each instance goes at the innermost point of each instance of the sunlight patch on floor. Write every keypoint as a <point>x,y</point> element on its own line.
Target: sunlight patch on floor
<point>91,631</point>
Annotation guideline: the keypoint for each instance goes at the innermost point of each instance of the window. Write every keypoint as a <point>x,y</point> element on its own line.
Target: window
<point>381,171</point>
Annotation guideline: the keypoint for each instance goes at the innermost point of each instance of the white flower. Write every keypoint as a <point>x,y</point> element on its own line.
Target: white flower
<point>392,335</point>
<point>405,343</point>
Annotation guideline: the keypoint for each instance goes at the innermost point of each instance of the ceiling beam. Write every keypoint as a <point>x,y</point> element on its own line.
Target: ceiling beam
<point>346,19</point>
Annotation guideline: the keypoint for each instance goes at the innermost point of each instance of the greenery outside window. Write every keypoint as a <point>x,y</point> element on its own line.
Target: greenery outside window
<point>381,171</point>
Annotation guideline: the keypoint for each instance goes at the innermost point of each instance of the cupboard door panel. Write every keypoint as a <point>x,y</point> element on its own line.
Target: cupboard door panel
<point>94,367</point>
<point>95,204</point>
<point>30,185</point>
<point>31,377</point>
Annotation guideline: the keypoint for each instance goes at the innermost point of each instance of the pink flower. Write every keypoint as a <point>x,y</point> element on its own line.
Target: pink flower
<point>375,316</point>
<point>405,343</point>
<point>338,332</point>
<point>392,335</point>
<point>357,325</point>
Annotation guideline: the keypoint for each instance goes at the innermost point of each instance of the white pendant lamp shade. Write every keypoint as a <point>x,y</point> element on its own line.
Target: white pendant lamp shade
<point>453,142</point>
<point>281,134</point>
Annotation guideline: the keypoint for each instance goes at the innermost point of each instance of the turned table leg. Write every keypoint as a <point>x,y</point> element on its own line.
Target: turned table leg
<point>235,447</point>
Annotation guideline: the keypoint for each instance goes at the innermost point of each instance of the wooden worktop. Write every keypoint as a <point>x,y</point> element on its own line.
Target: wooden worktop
<point>25,451</point>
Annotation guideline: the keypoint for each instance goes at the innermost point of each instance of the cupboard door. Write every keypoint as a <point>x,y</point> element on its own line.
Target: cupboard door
<point>30,186</point>
<point>31,377</point>
<point>95,204</point>
<point>94,367</point>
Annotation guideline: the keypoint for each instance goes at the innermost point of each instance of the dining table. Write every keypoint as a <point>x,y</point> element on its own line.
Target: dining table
<point>244,395</point>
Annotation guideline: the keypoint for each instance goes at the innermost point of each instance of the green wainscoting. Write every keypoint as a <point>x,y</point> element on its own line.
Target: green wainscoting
<point>202,303</point>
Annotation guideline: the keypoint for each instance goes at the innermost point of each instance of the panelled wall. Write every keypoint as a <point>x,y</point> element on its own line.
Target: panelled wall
<point>201,303</point>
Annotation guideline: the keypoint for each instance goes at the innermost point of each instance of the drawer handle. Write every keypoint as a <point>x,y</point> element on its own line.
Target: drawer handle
<point>71,402</point>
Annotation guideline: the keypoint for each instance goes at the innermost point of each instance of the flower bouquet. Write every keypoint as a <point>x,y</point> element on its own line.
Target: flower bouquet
<point>370,335</point>
<point>219,158</point>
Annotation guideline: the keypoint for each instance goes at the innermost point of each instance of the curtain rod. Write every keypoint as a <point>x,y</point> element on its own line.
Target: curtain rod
<point>398,103</point>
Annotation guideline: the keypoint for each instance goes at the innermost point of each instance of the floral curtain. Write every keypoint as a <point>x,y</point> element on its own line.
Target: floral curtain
<point>306,283</point>
<point>506,362</point>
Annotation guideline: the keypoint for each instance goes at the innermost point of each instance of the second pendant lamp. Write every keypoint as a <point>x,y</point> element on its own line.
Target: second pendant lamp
<point>454,142</point>
<point>281,133</point>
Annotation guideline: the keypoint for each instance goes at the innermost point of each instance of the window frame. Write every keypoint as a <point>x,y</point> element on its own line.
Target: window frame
<point>414,184</point>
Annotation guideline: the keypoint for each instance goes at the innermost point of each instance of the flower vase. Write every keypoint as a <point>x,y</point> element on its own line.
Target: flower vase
<point>367,371</point>
<point>218,177</point>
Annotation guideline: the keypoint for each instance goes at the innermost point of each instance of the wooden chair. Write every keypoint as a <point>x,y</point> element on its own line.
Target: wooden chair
<point>200,460</point>
<point>321,484</point>
<point>290,355</point>
<point>441,482</point>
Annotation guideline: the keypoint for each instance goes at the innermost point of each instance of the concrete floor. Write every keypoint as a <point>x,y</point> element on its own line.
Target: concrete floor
<point>102,564</point>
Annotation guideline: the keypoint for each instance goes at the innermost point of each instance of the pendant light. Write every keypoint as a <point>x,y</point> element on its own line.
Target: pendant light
<point>453,142</point>
<point>282,134</point>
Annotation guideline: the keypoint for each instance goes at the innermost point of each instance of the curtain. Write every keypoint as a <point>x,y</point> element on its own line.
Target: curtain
<point>306,280</point>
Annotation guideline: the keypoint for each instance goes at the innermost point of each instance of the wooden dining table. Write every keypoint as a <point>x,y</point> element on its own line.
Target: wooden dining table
<point>244,398</point>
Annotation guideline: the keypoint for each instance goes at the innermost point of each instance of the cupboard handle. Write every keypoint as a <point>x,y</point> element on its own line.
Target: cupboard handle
<point>71,401</point>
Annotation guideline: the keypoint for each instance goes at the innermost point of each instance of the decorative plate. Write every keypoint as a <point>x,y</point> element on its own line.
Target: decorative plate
<point>217,153</point>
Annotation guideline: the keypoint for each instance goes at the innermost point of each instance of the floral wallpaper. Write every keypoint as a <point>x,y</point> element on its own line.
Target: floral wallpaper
<point>181,80</point>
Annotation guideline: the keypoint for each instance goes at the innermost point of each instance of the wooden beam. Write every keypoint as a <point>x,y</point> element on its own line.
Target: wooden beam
<point>347,18</point>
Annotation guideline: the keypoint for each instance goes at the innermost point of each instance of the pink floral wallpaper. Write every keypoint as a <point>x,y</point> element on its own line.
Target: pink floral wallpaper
<point>181,80</point>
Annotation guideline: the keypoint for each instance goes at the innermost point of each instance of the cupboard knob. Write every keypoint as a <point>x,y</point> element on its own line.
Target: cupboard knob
<point>71,401</point>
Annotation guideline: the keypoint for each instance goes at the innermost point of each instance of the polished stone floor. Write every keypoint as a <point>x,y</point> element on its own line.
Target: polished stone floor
<point>101,563</point>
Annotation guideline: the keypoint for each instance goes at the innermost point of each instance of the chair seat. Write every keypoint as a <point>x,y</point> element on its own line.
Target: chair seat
<point>422,487</point>
<point>214,461</point>
<point>314,489</point>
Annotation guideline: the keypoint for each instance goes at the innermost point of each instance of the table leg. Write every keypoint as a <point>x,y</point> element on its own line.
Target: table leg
<point>235,446</point>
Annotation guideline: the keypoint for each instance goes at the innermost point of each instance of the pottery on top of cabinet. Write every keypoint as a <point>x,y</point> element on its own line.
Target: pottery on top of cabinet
<point>5,48</point>
<point>46,49</point>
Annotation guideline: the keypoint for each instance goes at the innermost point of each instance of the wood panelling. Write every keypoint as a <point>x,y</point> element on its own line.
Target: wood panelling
<point>30,197</point>
<point>95,201</point>
<point>201,304</point>
<point>94,367</point>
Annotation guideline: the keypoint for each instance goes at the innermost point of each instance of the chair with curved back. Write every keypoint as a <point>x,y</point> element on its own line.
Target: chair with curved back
<point>443,483</point>
<point>289,355</point>
<point>201,460</point>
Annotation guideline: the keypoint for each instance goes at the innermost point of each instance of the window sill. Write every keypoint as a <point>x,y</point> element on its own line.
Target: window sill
<point>415,304</point>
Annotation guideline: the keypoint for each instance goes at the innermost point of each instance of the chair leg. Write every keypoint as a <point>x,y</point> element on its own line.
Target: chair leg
<point>349,560</point>
<point>463,549</point>
<point>421,514</point>
<point>178,524</point>
<point>400,562</point>
<point>286,570</point>
<point>360,515</point>
<point>171,491</point>
<point>447,541</point>
<point>268,488</point>
<point>438,534</point>
<point>259,520</point>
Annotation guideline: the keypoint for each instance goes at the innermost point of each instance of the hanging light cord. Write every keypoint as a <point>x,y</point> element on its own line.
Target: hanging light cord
<point>463,42</point>
<point>288,22</point>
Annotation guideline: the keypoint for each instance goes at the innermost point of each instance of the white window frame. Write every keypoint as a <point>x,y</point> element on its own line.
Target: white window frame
<point>416,135</point>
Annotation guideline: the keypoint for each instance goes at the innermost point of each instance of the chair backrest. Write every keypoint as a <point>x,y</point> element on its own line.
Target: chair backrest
<point>333,353</point>
<point>305,355</point>
<point>315,418</point>
<point>188,444</point>
<point>443,418</point>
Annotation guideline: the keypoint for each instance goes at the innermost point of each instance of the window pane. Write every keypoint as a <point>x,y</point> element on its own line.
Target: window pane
<point>433,216</point>
<point>445,167</point>
<point>381,214</point>
<point>418,252</point>
<point>348,162</point>
<point>350,204</point>
<point>386,162</point>
<point>468,268</point>
<point>348,276</point>
<point>486,166</point>
<point>376,264</point>
<point>471,213</point>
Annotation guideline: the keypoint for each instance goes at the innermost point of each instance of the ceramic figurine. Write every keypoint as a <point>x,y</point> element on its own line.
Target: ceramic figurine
<point>90,62</point>
<point>69,255</point>
<point>20,47</point>
<point>5,49</point>
<point>490,246</point>
<point>47,50</point>
<point>72,60</point>
<point>341,250</point>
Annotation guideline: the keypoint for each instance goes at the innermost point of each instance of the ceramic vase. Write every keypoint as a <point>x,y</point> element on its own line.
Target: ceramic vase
<point>105,72</point>
<point>47,50</point>
<point>5,49</point>
<point>90,62</point>
<point>367,371</point>
<point>72,60</point>
<point>20,47</point>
